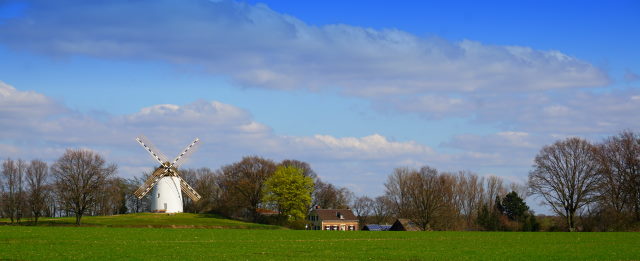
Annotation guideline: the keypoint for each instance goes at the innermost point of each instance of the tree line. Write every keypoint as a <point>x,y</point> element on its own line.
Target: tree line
<point>590,187</point>
<point>81,183</point>
<point>436,200</point>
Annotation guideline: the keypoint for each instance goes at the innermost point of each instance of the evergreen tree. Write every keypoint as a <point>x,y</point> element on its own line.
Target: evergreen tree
<point>514,207</point>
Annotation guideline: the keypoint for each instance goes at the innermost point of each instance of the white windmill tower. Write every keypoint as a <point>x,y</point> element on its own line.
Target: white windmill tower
<point>165,180</point>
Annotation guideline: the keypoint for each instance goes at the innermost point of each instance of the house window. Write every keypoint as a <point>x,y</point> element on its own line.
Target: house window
<point>327,227</point>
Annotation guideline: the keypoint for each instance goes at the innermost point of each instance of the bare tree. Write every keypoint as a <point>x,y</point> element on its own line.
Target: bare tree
<point>470,190</point>
<point>382,210</point>
<point>79,176</point>
<point>14,198</point>
<point>565,175</point>
<point>619,165</point>
<point>243,185</point>
<point>326,195</point>
<point>134,204</point>
<point>307,171</point>
<point>363,208</point>
<point>426,196</point>
<point>418,195</point>
<point>205,182</point>
<point>111,198</point>
<point>448,214</point>
<point>9,172</point>
<point>521,189</point>
<point>397,190</point>
<point>2,197</point>
<point>494,188</point>
<point>37,180</point>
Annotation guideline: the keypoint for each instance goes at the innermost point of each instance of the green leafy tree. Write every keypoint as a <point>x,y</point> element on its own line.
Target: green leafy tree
<point>289,191</point>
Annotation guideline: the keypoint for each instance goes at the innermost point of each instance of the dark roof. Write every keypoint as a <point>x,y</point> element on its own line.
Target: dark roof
<point>334,214</point>
<point>404,225</point>
<point>376,227</point>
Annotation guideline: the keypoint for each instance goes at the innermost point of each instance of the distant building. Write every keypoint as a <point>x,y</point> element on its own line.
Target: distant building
<point>404,225</point>
<point>376,227</point>
<point>332,219</point>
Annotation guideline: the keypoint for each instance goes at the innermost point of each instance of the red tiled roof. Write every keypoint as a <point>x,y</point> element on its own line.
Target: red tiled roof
<point>334,214</point>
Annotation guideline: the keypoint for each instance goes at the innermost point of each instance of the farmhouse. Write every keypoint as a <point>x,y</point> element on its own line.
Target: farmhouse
<point>332,219</point>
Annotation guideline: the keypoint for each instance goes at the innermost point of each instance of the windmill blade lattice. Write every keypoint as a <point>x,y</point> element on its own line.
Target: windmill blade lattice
<point>191,193</point>
<point>153,151</point>
<point>185,153</point>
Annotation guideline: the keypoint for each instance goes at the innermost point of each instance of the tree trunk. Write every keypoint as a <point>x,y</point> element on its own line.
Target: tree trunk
<point>570,222</point>
<point>78,217</point>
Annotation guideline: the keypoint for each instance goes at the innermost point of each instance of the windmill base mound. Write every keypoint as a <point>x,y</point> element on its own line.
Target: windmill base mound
<point>167,196</point>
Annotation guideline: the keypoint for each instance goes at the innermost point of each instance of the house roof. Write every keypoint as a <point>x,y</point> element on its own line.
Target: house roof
<point>334,214</point>
<point>404,225</point>
<point>376,227</point>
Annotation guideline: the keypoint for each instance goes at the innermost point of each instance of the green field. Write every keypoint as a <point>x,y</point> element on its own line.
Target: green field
<point>108,243</point>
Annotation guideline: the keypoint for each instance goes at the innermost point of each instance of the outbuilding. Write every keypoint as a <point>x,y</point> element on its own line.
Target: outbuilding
<point>403,224</point>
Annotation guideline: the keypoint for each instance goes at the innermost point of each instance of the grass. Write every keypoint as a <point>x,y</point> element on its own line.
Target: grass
<point>106,243</point>
<point>152,220</point>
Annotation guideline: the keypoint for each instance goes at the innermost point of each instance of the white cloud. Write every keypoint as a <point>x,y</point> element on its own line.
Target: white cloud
<point>509,87</point>
<point>370,147</point>
<point>16,104</point>
<point>257,46</point>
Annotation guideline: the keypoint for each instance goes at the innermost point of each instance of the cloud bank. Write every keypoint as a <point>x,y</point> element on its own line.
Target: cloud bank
<point>258,47</point>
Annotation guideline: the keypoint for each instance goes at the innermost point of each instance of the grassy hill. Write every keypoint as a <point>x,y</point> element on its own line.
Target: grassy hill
<point>152,220</point>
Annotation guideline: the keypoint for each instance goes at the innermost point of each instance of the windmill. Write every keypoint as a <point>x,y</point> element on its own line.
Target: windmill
<point>165,180</point>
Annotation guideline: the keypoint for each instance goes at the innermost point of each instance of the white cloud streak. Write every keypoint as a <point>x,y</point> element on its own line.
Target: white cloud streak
<point>255,46</point>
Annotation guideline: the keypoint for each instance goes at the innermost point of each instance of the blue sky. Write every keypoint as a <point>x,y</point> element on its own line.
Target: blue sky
<point>356,88</point>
